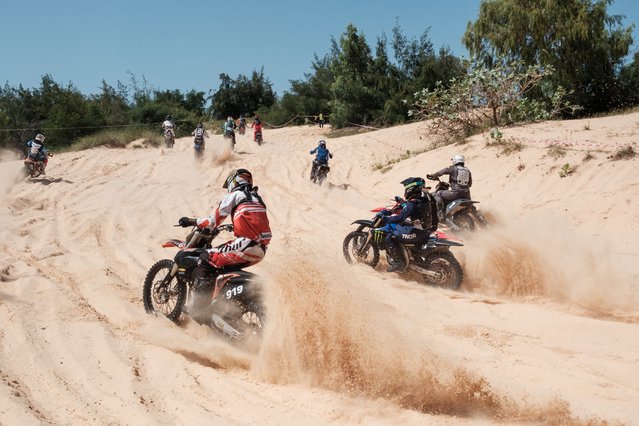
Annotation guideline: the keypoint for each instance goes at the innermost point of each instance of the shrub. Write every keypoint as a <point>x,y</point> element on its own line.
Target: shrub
<point>116,139</point>
<point>556,151</point>
<point>567,170</point>
<point>624,153</point>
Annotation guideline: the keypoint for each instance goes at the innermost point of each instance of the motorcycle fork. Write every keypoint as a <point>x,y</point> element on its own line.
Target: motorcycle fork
<point>368,238</point>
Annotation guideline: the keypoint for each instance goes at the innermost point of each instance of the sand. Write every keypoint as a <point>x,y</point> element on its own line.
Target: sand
<point>544,329</point>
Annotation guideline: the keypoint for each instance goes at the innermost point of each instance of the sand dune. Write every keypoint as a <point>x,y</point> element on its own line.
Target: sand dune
<point>545,328</point>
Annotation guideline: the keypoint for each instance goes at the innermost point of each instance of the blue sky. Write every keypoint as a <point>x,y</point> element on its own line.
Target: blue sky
<point>186,44</point>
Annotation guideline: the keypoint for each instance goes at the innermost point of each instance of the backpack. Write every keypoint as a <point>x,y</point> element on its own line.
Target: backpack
<point>427,207</point>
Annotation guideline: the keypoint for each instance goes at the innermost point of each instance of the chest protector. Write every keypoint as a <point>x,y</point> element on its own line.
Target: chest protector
<point>199,134</point>
<point>463,176</point>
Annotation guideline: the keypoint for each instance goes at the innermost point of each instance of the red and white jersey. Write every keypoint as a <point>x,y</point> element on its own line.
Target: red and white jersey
<point>248,215</point>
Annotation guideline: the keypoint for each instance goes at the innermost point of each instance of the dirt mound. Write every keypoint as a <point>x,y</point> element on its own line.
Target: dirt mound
<point>527,339</point>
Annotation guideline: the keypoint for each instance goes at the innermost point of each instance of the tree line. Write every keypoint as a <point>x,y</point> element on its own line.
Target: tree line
<point>586,48</point>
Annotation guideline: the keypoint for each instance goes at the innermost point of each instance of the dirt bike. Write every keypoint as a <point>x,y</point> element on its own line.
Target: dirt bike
<point>199,148</point>
<point>432,259</point>
<point>242,128</point>
<point>321,173</point>
<point>169,138</point>
<point>34,168</point>
<point>258,137</point>
<point>234,306</point>
<point>460,214</point>
<point>229,134</point>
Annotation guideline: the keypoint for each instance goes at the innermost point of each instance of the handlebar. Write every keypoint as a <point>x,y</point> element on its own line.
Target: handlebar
<point>208,231</point>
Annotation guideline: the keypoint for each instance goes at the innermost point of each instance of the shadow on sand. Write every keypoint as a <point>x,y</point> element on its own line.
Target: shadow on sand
<point>48,181</point>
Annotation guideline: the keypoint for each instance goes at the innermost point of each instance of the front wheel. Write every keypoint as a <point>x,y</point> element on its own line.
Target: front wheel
<point>444,270</point>
<point>354,250</point>
<point>163,293</point>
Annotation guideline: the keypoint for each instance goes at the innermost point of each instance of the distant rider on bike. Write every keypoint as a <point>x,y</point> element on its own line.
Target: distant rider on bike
<point>323,154</point>
<point>37,151</point>
<point>257,128</point>
<point>242,122</point>
<point>199,134</point>
<point>168,125</point>
<point>229,128</point>
<point>250,227</point>
<point>416,220</point>
<point>460,180</point>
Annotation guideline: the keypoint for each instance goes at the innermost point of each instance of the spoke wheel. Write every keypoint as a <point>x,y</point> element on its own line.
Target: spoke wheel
<point>446,272</point>
<point>354,252</point>
<point>163,295</point>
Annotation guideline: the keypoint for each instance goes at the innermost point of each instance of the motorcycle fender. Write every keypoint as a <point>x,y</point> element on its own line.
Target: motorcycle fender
<point>446,243</point>
<point>364,222</point>
<point>174,243</point>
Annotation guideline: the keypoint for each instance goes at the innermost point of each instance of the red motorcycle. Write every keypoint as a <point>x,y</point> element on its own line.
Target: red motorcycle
<point>234,306</point>
<point>258,137</point>
<point>34,168</point>
<point>432,259</point>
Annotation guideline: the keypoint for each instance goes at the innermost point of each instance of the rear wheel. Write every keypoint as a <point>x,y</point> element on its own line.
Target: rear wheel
<point>250,321</point>
<point>163,294</point>
<point>355,252</point>
<point>445,270</point>
<point>321,176</point>
<point>464,221</point>
<point>480,218</point>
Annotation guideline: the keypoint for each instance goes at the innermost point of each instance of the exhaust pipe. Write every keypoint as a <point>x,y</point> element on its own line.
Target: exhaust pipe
<point>424,271</point>
<point>224,327</point>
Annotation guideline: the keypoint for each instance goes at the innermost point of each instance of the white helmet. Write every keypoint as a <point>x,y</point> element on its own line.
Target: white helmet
<point>238,179</point>
<point>39,137</point>
<point>457,159</point>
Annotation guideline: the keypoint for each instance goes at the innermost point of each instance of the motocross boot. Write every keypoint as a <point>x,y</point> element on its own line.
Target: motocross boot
<point>201,301</point>
<point>396,261</point>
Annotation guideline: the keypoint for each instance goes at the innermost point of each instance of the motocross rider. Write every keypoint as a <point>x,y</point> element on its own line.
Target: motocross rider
<point>199,134</point>
<point>229,128</point>
<point>416,220</point>
<point>257,128</point>
<point>242,122</point>
<point>460,180</point>
<point>229,125</point>
<point>250,227</point>
<point>323,154</point>
<point>168,124</point>
<point>37,151</point>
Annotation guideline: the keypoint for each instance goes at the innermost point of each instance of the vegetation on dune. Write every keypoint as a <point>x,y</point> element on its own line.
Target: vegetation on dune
<point>116,139</point>
<point>624,153</point>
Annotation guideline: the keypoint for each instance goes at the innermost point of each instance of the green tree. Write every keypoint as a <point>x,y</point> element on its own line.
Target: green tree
<point>353,93</point>
<point>242,95</point>
<point>577,38</point>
